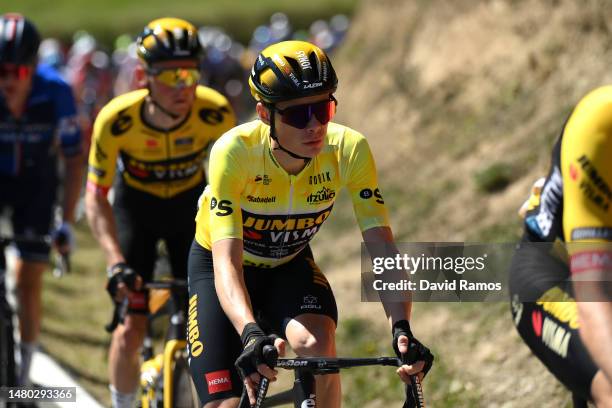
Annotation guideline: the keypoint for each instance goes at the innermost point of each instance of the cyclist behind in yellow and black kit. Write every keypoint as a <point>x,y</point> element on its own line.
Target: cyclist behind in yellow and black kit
<point>569,332</point>
<point>273,183</point>
<point>149,145</point>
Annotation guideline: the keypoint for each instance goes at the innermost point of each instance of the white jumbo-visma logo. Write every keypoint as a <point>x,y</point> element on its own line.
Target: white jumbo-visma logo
<point>309,403</point>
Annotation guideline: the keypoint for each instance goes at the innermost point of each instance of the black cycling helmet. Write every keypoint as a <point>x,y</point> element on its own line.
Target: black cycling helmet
<point>289,70</point>
<point>169,39</point>
<point>19,40</point>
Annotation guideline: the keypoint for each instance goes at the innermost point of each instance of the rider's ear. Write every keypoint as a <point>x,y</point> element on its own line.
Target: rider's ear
<point>263,112</point>
<point>140,76</point>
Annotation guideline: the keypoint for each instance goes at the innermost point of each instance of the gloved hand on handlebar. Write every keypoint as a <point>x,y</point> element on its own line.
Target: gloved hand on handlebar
<point>125,288</point>
<point>409,349</point>
<point>253,341</point>
<point>63,238</point>
<point>252,364</point>
<point>122,278</point>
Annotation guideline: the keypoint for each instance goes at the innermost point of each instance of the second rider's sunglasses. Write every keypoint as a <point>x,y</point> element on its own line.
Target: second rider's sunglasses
<point>18,71</point>
<point>298,116</point>
<point>175,77</point>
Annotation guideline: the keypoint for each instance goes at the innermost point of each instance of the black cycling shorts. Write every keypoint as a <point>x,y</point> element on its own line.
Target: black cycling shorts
<point>143,219</point>
<point>277,296</point>
<point>30,200</point>
<point>550,328</point>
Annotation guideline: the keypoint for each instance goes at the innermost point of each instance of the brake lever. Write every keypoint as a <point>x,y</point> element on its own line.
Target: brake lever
<point>62,265</point>
<point>270,355</point>
<point>118,315</point>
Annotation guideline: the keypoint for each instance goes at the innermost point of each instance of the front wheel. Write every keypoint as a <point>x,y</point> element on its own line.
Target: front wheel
<point>184,394</point>
<point>8,376</point>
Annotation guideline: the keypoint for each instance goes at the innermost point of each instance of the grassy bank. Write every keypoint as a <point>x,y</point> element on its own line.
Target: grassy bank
<point>76,307</point>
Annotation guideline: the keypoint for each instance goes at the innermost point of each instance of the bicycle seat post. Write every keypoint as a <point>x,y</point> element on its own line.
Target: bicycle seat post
<point>177,309</point>
<point>147,345</point>
<point>304,388</point>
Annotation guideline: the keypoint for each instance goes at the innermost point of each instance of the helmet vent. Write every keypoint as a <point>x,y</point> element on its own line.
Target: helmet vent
<point>315,63</point>
<point>296,68</point>
<point>180,37</point>
<point>19,39</point>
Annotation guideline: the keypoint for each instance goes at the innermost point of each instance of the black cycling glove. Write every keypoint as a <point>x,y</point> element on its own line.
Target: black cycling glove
<point>118,273</point>
<point>253,339</point>
<point>416,350</point>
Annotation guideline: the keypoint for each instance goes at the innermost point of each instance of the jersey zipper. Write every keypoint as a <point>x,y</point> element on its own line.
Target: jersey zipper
<point>18,153</point>
<point>291,180</point>
<point>291,188</point>
<point>167,135</point>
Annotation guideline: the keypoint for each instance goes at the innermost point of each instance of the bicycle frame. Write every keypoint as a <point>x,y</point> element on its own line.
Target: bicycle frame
<point>7,343</point>
<point>174,344</point>
<point>170,349</point>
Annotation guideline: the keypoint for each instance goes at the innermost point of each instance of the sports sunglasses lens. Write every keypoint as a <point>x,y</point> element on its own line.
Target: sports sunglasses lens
<point>174,78</point>
<point>299,116</point>
<point>188,77</point>
<point>324,111</point>
<point>17,71</point>
<point>23,71</point>
<point>296,116</point>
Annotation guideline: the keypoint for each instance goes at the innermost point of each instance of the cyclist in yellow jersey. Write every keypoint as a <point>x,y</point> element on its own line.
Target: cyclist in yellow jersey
<point>272,184</point>
<point>566,322</point>
<point>155,139</point>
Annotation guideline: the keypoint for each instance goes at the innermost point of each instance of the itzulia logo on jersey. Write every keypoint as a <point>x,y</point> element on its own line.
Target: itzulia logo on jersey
<point>321,196</point>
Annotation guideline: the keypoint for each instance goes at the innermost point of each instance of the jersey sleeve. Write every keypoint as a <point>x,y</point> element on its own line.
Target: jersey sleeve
<point>229,119</point>
<point>227,178</point>
<point>68,129</point>
<point>587,170</point>
<point>362,183</point>
<point>587,179</point>
<point>102,154</point>
<point>215,111</point>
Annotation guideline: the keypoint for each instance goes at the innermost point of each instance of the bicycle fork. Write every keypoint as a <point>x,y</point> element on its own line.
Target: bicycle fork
<point>304,389</point>
<point>303,393</point>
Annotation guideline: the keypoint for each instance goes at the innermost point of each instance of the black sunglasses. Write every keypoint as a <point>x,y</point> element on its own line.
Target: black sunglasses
<point>298,116</point>
<point>19,71</point>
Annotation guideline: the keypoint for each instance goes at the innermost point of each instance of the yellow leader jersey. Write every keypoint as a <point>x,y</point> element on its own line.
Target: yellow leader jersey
<point>251,197</point>
<point>575,202</point>
<point>161,162</point>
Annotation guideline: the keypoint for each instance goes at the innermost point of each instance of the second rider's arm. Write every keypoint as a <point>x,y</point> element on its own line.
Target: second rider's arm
<point>71,143</point>
<point>102,223</point>
<point>101,172</point>
<point>101,164</point>
<point>63,238</point>
<point>72,186</point>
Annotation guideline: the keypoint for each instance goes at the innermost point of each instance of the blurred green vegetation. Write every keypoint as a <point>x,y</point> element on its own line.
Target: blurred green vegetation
<point>107,19</point>
<point>494,177</point>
